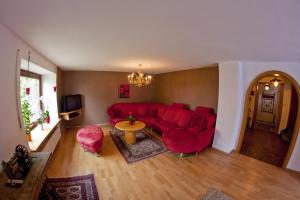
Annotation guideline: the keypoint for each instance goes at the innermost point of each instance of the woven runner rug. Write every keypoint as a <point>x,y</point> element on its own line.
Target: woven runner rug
<point>75,188</point>
<point>146,146</point>
<point>215,194</point>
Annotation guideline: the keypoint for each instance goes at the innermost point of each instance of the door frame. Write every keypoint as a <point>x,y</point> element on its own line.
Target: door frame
<point>246,109</point>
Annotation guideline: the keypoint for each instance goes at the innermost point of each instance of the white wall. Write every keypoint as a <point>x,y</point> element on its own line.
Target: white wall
<point>48,82</point>
<point>10,132</point>
<point>234,80</point>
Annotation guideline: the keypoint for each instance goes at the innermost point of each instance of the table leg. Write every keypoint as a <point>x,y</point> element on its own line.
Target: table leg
<point>130,137</point>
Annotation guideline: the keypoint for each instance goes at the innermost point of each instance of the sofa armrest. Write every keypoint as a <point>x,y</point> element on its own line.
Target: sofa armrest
<point>110,111</point>
<point>206,133</point>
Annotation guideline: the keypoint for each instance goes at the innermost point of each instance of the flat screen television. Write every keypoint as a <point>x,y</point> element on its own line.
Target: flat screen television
<point>71,102</point>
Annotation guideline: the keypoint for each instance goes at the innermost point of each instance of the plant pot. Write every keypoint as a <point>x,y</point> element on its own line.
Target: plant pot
<point>131,122</point>
<point>28,137</point>
<point>47,120</point>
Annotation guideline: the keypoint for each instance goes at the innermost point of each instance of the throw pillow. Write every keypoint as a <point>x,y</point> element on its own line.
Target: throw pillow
<point>117,113</point>
<point>199,121</point>
<point>151,112</point>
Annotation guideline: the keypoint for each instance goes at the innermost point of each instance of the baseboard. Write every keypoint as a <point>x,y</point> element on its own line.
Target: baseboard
<point>221,151</point>
<point>292,171</point>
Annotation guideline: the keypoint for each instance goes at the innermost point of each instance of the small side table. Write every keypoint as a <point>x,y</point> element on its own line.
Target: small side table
<point>130,130</point>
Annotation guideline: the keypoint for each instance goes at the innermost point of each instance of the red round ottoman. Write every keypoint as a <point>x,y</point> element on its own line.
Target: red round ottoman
<point>90,138</point>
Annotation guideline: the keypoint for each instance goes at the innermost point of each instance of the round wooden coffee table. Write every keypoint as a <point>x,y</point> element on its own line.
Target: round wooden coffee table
<point>130,130</point>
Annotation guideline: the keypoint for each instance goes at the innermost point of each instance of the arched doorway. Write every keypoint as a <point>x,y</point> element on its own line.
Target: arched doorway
<point>258,103</point>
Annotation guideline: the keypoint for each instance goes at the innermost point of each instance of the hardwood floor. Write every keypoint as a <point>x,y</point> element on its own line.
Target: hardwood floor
<point>168,177</point>
<point>264,144</point>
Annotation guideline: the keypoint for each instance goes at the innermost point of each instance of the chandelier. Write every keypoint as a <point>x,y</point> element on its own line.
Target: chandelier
<point>139,79</point>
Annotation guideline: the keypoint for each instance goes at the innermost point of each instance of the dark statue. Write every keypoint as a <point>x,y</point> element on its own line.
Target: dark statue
<point>18,166</point>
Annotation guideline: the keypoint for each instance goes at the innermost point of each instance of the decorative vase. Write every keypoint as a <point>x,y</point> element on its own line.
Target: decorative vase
<point>28,137</point>
<point>47,120</point>
<point>131,122</point>
<point>27,90</point>
<point>42,127</point>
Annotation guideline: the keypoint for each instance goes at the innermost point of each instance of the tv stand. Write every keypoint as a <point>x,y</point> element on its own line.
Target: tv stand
<point>71,115</point>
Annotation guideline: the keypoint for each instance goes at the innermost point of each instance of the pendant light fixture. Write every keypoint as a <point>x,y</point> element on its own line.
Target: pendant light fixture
<point>275,81</point>
<point>27,89</point>
<point>139,79</point>
<point>267,86</point>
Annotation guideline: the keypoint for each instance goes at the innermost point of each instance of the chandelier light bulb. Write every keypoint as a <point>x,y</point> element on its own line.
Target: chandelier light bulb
<point>276,83</point>
<point>139,79</point>
<point>267,87</point>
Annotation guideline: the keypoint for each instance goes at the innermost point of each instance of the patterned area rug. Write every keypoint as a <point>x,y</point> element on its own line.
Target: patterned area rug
<point>214,194</point>
<point>146,145</point>
<point>75,188</point>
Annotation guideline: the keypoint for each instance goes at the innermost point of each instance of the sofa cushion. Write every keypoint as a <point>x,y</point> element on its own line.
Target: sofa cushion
<point>180,105</point>
<point>127,108</point>
<point>161,109</point>
<point>183,118</point>
<point>162,125</point>
<point>117,112</point>
<point>198,121</point>
<point>211,120</point>
<point>151,112</point>
<point>202,109</point>
<point>170,115</point>
<point>141,109</point>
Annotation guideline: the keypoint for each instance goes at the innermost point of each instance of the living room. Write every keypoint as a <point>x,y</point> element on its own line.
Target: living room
<point>201,56</point>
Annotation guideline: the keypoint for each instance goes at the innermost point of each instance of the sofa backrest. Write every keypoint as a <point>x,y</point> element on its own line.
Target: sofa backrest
<point>203,109</point>
<point>180,105</point>
<point>122,109</point>
<point>177,116</point>
<point>202,121</point>
<point>137,109</point>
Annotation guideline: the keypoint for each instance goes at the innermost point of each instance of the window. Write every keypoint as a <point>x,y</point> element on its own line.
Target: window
<point>32,81</point>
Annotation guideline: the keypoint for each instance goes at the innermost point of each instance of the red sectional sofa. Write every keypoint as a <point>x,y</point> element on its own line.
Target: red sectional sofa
<point>183,130</point>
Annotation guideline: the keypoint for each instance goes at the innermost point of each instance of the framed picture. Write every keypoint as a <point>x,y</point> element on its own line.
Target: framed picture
<point>124,91</point>
<point>267,102</point>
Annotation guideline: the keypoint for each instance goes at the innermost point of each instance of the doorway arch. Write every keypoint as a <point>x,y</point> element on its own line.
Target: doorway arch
<point>246,109</point>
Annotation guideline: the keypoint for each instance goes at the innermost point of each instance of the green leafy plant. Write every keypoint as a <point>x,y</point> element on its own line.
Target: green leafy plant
<point>43,117</point>
<point>46,114</point>
<point>131,118</point>
<point>26,112</point>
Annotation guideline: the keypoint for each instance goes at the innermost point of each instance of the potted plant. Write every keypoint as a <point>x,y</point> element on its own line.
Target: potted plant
<point>26,117</point>
<point>131,118</point>
<point>47,116</point>
<point>40,121</point>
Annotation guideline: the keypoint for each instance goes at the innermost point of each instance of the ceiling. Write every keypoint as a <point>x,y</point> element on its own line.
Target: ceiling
<point>163,35</point>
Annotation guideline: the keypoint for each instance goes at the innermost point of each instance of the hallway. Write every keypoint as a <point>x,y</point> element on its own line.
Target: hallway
<point>263,144</point>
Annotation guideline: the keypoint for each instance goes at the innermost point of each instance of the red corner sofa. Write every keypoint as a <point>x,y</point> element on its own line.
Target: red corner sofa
<point>183,130</point>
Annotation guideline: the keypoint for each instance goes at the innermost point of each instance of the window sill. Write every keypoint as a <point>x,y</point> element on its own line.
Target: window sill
<point>40,137</point>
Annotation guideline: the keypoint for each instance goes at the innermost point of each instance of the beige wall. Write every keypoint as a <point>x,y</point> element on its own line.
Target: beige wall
<point>194,87</point>
<point>100,90</point>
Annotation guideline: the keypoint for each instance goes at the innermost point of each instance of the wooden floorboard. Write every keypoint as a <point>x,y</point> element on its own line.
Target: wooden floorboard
<point>166,176</point>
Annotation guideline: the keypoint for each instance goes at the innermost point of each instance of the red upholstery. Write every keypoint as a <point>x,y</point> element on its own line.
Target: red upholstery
<point>183,131</point>
<point>90,138</point>
<point>180,105</point>
<point>182,141</point>
<point>203,109</point>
